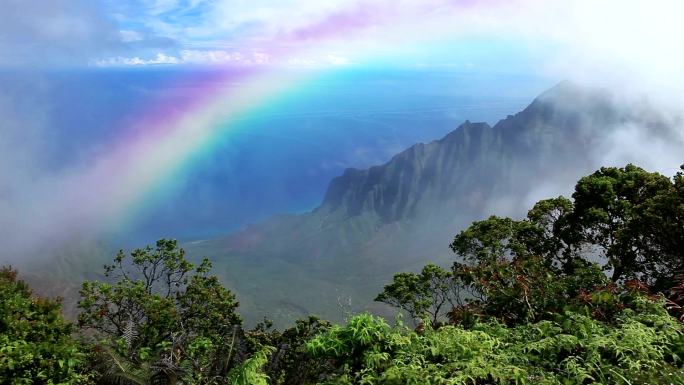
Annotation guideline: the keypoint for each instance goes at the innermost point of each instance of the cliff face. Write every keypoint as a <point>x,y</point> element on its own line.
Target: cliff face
<point>399,215</point>
<point>395,190</point>
<point>467,168</point>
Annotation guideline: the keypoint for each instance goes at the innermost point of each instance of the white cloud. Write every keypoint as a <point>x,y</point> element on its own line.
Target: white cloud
<point>623,39</point>
<point>54,32</point>
<point>207,57</point>
<point>222,57</point>
<point>121,61</point>
<point>612,40</point>
<point>302,62</point>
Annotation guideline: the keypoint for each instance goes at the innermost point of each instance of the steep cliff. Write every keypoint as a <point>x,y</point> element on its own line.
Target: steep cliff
<point>399,215</point>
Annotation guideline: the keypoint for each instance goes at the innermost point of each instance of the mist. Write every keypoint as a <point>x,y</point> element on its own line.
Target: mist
<point>57,129</point>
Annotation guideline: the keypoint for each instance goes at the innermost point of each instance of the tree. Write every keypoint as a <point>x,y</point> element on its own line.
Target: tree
<point>424,294</point>
<point>633,219</point>
<point>35,342</point>
<point>525,288</point>
<point>160,308</point>
<point>549,239</point>
<point>290,363</point>
<point>541,234</point>
<point>664,228</point>
<point>630,220</point>
<point>488,240</point>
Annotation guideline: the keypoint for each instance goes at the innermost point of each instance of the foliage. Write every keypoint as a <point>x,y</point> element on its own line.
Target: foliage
<point>162,310</point>
<point>630,218</point>
<point>573,349</point>
<point>423,295</point>
<point>619,210</point>
<point>534,294</point>
<point>524,289</point>
<point>35,342</point>
<point>250,372</point>
<point>290,363</point>
<point>524,270</point>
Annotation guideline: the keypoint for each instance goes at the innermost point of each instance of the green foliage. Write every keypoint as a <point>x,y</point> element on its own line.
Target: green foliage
<point>572,349</point>
<point>631,218</point>
<point>162,310</point>
<point>525,270</point>
<point>423,295</point>
<point>251,371</point>
<point>290,364</point>
<point>533,308</point>
<point>525,289</point>
<point>35,341</point>
<point>114,369</point>
<point>624,211</point>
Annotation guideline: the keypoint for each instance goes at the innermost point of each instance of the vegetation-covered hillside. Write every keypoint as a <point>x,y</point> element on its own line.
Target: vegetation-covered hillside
<point>587,290</point>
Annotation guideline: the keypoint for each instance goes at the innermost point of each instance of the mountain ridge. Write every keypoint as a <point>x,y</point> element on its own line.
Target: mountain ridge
<point>398,215</point>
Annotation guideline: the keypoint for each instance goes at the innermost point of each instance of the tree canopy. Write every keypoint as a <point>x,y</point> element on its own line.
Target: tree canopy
<point>160,309</point>
<point>35,342</point>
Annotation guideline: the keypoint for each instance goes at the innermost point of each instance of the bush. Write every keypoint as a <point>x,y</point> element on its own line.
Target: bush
<point>35,342</point>
<point>572,349</point>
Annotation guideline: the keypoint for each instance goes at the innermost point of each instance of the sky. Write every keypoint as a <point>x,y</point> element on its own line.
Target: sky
<point>332,32</point>
<point>618,41</point>
<point>106,101</point>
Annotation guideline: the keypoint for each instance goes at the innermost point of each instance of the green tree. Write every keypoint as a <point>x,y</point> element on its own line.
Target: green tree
<point>524,289</point>
<point>35,342</point>
<point>290,363</point>
<point>431,293</point>
<point>630,220</point>
<point>633,219</point>
<point>541,234</point>
<point>159,308</point>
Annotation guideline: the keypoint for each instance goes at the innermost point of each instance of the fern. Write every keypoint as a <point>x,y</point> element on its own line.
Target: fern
<point>251,371</point>
<point>117,370</point>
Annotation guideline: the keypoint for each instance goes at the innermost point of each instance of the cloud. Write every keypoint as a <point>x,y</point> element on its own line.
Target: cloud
<point>337,60</point>
<point>55,32</point>
<point>119,61</point>
<point>617,40</point>
<point>223,58</point>
<point>66,33</point>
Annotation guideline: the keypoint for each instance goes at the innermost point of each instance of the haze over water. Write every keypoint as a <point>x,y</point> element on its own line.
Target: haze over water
<point>276,160</point>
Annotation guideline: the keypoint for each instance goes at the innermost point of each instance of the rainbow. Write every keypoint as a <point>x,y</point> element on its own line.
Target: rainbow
<point>109,192</point>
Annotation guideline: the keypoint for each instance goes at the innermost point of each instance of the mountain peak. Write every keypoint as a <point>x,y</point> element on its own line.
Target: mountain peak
<point>392,191</point>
